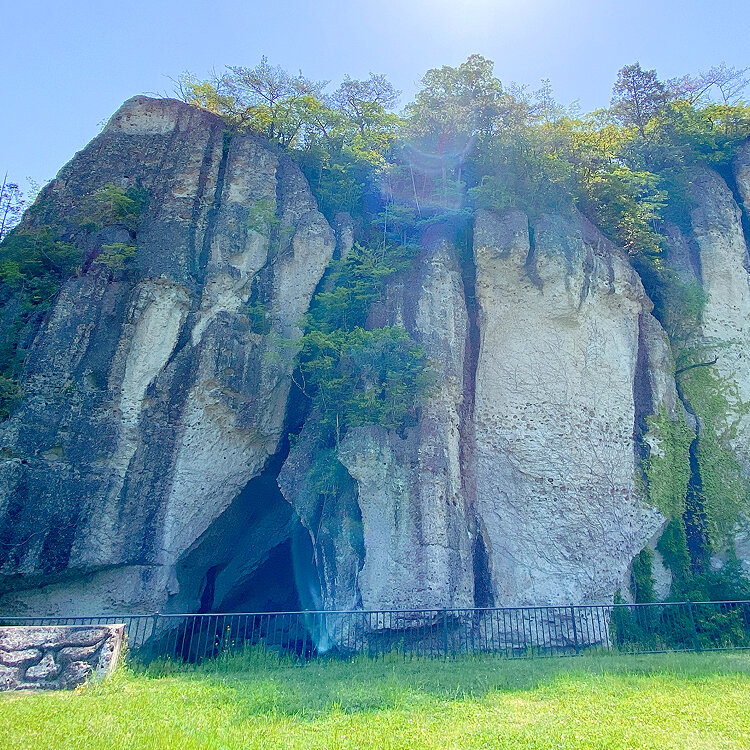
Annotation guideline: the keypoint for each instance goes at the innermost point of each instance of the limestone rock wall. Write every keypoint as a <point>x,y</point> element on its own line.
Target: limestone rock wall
<point>415,512</point>
<point>562,339</point>
<point>522,482</point>
<point>399,534</point>
<point>725,277</point>
<point>710,252</point>
<point>741,174</point>
<point>146,467</point>
<point>151,400</point>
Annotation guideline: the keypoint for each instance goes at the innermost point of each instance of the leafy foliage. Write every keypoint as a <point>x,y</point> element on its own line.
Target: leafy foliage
<point>672,546</point>
<point>467,137</point>
<point>116,254</point>
<point>637,97</point>
<point>641,576</point>
<point>668,464</point>
<point>34,263</point>
<point>261,217</point>
<point>362,377</point>
<point>725,489</point>
<point>112,205</point>
<point>355,375</point>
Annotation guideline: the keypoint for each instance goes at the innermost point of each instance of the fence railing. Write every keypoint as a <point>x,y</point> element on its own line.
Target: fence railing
<point>511,631</point>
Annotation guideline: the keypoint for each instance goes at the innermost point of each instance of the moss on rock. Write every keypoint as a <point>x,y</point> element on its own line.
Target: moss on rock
<point>725,490</point>
<point>667,466</point>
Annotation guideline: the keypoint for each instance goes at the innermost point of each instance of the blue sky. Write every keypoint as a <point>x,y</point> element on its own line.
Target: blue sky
<point>69,65</point>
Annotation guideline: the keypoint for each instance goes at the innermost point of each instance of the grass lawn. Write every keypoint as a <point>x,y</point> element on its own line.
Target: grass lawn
<point>256,701</point>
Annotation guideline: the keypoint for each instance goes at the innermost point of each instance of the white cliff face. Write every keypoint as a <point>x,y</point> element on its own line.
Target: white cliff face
<point>157,312</point>
<point>556,474</point>
<point>154,422</point>
<point>177,401</point>
<point>720,393</point>
<point>725,322</point>
<point>415,516</point>
<point>398,534</point>
<point>225,443</point>
<point>541,479</point>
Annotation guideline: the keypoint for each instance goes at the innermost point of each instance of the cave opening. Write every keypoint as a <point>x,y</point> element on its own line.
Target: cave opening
<point>271,588</point>
<point>255,557</point>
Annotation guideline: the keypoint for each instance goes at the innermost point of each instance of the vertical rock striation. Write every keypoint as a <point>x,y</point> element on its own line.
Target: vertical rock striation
<point>522,481</point>
<point>151,401</point>
<point>565,326</point>
<point>148,464</point>
<point>415,513</point>
<point>398,535</point>
<point>725,320</point>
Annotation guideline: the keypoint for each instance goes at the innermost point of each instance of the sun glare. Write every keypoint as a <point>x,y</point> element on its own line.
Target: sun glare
<point>469,15</point>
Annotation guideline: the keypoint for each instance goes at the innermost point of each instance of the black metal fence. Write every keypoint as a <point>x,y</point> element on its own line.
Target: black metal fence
<point>510,631</point>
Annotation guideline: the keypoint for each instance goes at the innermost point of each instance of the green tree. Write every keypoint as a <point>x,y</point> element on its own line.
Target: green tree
<point>637,96</point>
<point>456,102</point>
<point>368,125</point>
<point>366,103</point>
<point>264,98</point>
<point>355,375</point>
<point>11,206</point>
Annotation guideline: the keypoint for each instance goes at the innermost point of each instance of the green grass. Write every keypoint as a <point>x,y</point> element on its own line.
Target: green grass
<point>259,701</point>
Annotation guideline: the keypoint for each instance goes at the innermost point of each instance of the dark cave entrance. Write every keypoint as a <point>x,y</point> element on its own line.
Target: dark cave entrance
<point>254,557</point>
<point>271,587</point>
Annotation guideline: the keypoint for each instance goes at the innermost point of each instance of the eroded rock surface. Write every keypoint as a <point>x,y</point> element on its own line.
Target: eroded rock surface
<point>399,535</point>
<point>555,412</point>
<point>520,483</point>
<point>139,472</point>
<point>725,320</point>
<point>151,398</point>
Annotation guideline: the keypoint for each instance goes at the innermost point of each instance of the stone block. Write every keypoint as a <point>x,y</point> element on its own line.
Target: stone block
<point>8,677</point>
<point>76,653</point>
<point>75,674</point>
<point>45,670</point>
<point>23,658</point>
<point>50,636</point>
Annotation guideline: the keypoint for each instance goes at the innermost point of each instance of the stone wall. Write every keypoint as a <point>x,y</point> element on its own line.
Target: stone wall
<point>53,657</point>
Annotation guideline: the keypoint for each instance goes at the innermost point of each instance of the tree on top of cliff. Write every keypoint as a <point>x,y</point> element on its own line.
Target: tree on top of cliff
<point>366,103</point>
<point>727,81</point>
<point>456,103</point>
<point>11,206</point>
<point>637,96</point>
<point>265,98</point>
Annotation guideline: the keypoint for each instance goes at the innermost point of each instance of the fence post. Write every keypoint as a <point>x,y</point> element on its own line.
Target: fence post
<point>696,640</point>
<point>152,646</point>
<point>575,629</point>
<point>445,632</point>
